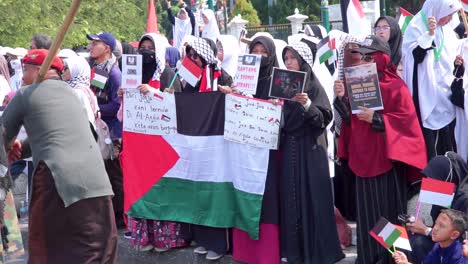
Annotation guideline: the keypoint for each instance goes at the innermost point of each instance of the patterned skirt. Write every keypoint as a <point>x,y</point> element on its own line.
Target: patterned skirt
<point>160,234</point>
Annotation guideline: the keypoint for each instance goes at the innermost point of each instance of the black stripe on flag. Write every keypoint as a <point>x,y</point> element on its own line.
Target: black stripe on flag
<point>344,14</point>
<point>200,114</point>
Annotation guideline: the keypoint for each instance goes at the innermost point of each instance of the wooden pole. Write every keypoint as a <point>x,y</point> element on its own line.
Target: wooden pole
<point>465,22</point>
<point>58,40</point>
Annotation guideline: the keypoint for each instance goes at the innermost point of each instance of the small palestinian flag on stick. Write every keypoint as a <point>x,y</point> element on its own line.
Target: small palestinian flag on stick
<point>402,241</point>
<point>437,192</point>
<point>325,49</point>
<point>385,233</point>
<point>404,20</point>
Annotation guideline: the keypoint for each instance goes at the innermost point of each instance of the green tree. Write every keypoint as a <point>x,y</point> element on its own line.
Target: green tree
<point>21,19</point>
<point>248,12</point>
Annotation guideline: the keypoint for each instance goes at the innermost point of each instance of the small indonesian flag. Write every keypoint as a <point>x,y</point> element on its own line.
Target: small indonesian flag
<point>404,20</point>
<point>403,241</point>
<point>385,233</point>
<point>437,192</point>
<point>189,71</point>
<point>325,49</point>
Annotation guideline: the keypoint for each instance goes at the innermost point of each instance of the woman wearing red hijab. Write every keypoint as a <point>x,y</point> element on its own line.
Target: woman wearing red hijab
<point>380,147</point>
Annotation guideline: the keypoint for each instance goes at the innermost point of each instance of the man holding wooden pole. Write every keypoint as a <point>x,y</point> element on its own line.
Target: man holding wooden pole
<point>71,218</point>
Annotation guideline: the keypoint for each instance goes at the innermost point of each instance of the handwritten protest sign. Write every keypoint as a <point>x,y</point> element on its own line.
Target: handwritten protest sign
<point>150,114</point>
<point>246,79</point>
<point>252,121</point>
<point>132,70</point>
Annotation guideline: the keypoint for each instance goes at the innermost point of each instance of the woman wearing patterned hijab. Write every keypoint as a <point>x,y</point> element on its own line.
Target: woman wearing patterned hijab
<point>203,52</point>
<point>308,230</point>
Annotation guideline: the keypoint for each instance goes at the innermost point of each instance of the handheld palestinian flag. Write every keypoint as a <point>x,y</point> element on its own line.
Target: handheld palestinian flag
<point>385,233</point>
<point>325,49</point>
<point>99,79</point>
<point>437,192</point>
<point>403,241</point>
<point>404,20</point>
<point>189,71</point>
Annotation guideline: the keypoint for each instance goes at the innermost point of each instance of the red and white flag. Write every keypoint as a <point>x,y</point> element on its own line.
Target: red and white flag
<point>190,71</point>
<point>437,192</point>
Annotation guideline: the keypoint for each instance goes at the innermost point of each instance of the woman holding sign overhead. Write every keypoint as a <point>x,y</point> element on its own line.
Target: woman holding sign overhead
<point>308,230</point>
<point>380,147</point>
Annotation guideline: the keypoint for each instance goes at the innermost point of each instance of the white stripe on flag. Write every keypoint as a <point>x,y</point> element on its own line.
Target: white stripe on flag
<point>100,78</point>
<point>188,76</point>
<point>403,243</point>
<point>214,159</point>
<point>435,198</point>
<point>387,231</point>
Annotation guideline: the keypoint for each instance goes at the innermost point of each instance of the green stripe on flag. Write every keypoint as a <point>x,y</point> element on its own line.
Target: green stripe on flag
<point>392,237</point>
<point>406,23</point>
<point>325,56</point>
<point>180,200</point>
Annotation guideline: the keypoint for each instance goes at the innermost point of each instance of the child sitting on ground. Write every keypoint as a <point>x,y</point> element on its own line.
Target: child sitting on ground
<point>448,228</point>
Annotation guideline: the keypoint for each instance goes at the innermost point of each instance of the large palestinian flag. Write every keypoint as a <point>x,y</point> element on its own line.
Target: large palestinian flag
<point>195,176</point>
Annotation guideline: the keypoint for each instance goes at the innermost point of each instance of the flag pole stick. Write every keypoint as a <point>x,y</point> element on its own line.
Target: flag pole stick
<point>391,252</point>
<point>173,80</point>
<point>58,40</point>
<point>418,206</point>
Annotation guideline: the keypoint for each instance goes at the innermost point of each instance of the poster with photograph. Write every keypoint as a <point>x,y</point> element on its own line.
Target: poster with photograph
<point>285,84</point>
<point>362,84</point>
<point>132,67</point>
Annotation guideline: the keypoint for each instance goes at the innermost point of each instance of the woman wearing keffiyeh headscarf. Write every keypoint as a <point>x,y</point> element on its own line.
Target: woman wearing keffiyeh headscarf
<point>152,233</point>
<point>77,75</point>
<point>308,230</point>
<point>203,52</point>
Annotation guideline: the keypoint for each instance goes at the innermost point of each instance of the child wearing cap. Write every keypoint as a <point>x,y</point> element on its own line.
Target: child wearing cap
<point>448,228</point>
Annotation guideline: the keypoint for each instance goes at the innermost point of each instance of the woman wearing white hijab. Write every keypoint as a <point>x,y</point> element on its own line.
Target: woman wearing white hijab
<point>183,24</point>
<point>210,29</point>
<point>77,74</point>
<point>228,53</point>
<point>429,49</point>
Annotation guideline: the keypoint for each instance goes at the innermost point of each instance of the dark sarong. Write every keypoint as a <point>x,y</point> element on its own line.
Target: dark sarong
<point>84,232</point>
<point>380,196</point>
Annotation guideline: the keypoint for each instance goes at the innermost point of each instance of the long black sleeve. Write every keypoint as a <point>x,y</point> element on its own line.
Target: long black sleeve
<point>192,19</point>
<point>458,93</point>
<point>342,107</point>
<point>171,16</point>
<point>378,122</point>
<point>419,53</point>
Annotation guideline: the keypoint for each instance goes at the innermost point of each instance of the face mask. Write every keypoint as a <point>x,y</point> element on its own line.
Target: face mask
<point>149,56</point>
<point>264,62</point>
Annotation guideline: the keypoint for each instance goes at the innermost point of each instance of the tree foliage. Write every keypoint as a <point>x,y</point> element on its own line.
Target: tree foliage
<point>21,19</point>
<point>247,11</point>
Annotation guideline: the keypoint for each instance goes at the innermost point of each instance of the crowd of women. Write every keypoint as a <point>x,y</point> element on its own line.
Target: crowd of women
<point>379,154</point>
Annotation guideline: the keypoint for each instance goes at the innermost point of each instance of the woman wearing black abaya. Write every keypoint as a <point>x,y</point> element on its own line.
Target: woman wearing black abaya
<point>387,28</point>
<point>266,249</point>
<point>308,229</point>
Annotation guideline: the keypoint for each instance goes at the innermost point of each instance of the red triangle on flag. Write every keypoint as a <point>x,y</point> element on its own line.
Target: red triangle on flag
<point>405,12</point>
<point>145,159</point>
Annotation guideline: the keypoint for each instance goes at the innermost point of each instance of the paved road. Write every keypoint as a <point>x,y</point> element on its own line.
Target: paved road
<point>127,255</point>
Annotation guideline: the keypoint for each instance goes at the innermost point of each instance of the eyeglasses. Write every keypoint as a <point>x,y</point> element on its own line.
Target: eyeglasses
<point>382,29</point>
<point>367,58</point>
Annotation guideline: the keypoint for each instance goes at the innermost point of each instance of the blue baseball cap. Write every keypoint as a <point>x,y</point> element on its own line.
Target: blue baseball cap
<point>105,37</point>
